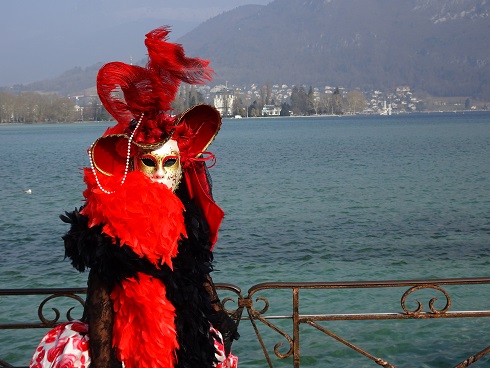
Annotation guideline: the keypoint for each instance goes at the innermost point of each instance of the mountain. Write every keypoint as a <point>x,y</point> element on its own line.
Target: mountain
<point>435,46</point>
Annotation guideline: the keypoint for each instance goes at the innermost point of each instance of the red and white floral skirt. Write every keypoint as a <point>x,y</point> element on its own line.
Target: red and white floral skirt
<point>67,346</point>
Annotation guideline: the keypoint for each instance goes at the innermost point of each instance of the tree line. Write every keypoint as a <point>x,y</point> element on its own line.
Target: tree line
<point>336,103</point>
<point>34,107</point>
<point>301,102</point>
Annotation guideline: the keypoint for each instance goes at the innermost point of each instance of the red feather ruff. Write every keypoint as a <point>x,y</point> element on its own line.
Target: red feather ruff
<point>145,215</point>
<point>144,324</point>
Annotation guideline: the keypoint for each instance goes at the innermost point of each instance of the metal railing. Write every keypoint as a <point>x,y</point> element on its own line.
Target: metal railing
<point>257,306</point>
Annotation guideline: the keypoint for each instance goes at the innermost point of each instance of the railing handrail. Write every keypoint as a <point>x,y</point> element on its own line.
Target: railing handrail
<point>371,284</point>
<point>42,291</point>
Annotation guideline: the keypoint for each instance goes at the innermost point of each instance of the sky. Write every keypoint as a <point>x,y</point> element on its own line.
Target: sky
<point>40,39</point>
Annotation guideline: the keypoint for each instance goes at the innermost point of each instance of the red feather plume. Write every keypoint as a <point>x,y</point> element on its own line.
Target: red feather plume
<point>127,91</point>
<point>169,61</point>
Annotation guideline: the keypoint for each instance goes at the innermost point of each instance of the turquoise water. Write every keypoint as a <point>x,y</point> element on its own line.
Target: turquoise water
<point>306,199</point>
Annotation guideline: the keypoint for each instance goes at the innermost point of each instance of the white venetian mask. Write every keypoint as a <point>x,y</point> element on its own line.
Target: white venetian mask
<point>162,165</point>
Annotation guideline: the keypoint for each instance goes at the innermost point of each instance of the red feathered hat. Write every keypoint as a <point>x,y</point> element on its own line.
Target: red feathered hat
<point>139,98</point>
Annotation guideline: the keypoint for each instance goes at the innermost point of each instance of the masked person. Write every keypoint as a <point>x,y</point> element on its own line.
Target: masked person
<point>147,229</point>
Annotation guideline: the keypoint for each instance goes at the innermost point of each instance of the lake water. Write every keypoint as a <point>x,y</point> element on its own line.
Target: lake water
<point>306,199</point>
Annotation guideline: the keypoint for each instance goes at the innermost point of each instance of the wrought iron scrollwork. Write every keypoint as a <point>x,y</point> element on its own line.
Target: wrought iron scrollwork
<point>258,315</point>
<point>418,311</point>
<point>52,322</point>
<point>264,310</point>
<point>229,300</point>
<point>236,312</point>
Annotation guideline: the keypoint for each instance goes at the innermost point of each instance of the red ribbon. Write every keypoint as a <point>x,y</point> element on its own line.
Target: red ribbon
<point>199,190</point>
<point>187,162</point>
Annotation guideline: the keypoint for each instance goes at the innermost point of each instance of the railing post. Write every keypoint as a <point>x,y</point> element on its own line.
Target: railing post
<point>296,353</point>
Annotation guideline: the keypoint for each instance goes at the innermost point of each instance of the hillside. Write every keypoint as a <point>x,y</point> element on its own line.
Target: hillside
<point>440,47</point>
<point>435,46</point>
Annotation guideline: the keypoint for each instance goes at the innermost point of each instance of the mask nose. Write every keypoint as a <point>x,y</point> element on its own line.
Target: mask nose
<point>159,173</point>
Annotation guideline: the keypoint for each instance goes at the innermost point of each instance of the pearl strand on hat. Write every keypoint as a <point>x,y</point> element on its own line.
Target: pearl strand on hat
<point>128,157</point>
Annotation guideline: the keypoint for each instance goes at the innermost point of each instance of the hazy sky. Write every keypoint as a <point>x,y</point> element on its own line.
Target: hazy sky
<point>40,39</point>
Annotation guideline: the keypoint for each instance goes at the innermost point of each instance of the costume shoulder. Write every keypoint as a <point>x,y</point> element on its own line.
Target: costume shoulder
<point>81,242</point>
<point>87,247</point>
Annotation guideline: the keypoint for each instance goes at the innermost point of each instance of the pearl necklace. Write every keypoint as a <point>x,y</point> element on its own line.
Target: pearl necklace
<point>128,157</point>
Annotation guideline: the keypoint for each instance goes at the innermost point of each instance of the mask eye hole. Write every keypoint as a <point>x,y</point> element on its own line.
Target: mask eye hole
<point>148,162</point>
<point>169,162</point>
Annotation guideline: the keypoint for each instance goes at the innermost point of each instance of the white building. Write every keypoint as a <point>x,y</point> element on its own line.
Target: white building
<point>223,101</point>
<point>271,110</point>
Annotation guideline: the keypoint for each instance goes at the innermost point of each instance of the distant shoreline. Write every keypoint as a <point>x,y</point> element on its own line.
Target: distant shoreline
<point>276,117</point>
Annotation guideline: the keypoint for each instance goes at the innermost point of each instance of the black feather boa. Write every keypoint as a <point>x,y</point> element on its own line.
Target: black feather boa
<point>90,248</point>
